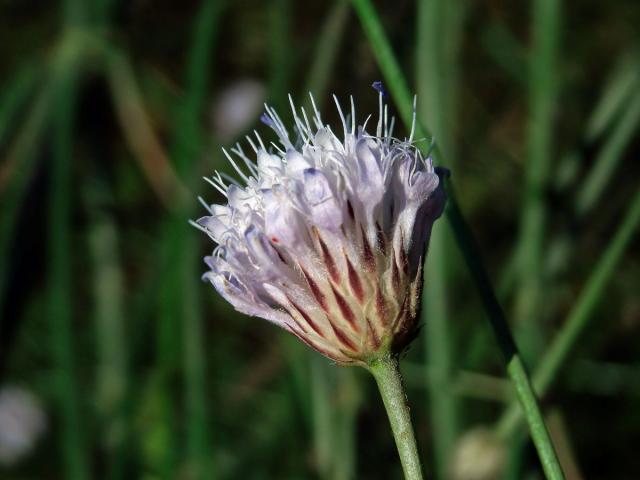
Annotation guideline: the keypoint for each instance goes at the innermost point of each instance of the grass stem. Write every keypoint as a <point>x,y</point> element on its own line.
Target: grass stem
<point>74,452</point>
<point>438,33</point>
<point>543,88</point>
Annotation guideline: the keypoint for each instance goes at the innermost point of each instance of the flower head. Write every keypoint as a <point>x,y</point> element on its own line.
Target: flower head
<point>326,236</point>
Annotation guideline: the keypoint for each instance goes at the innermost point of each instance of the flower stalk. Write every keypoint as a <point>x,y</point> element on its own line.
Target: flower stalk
<point>387,374</point>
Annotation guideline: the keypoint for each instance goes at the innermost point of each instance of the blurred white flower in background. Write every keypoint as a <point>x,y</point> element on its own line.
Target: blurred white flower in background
<point>479,455</point>
<point>237,107</point>
<point>22,423</point>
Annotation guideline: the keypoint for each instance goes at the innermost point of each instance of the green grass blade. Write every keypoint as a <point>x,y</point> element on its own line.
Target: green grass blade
<point>182,309</point>
<point>609,157</point>
<point>348,406</point>
<point>326,50</point>
<point>74,451</point>
<point>505,49</point>
<point>394,78</point>
<point>280,64</point>
<point>21,159</point>
<point>110,331</point>
<point>75,13</point>
<point>621,85</point>
<point>543,91</point>
<point>14,95</point>
<point>616,100</point>
<point>138,130</point>
<point>580,314</point>
<point>438,37</point>
<point>323,421</point>
<point>515,366</point>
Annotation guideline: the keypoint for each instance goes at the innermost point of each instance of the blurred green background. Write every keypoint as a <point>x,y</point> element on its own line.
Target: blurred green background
<point>117,362</point>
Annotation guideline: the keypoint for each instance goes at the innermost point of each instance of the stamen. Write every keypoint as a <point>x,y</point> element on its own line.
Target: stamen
<point>413,118</point>
<point>385,121</point>
<point>235,166</point>
<point>255,150</point>
<point>297,120</point>
<point>306,121</point>
<point>391,127</point>
<point>364,125</point>
<point>379,127</point>
<point>215,185</point>
<point>379,87</point>
<point>344,122</point>
<point>278,148</point>
<point>317,119</point>
<point>240,153</point>
<point>205,205</point>
<point>353,116</point>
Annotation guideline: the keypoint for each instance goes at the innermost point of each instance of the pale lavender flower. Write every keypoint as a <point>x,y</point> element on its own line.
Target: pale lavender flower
<point>326,236</point>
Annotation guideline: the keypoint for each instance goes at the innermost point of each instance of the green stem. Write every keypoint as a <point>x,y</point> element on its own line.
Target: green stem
<point>326,51</point>
<point>530,244</point>
<point>110,324</point>
<point>60,283</point>
<point>438,38</point>
<point>22,159</point>
<point>279,52</point>
<point>14,95</point>
<point>609,157</point>
<point>389,380</point>
<point>190,136</point>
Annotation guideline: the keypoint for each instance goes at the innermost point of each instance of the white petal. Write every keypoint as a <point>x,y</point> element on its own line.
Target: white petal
<point>244,301</point>
<point>269,164</point>
<point>281,222</point>
<point>213,225</point>
<point>240,199</point>
<point>296,163</point>
<point>324,209</point>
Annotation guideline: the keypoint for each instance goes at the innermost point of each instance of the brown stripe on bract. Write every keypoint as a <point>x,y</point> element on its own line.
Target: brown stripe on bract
<point>345,310</point>
<point>381,238</point>
<point>328,260</point>
<point>342,336</point>
<point>354,281</point>
<point>307,318</point>
<point>367,253</point>
<point>381,307</point>
<point>404,261</point>
<point>401,314</point>
<point>315,290</point>
<point>280,256</point>
<point>350,210</point>
<point>416,289</point>
<point>371,333</point>
<point>310,343</point>
<point>395,275</point>
<point>298,323</point>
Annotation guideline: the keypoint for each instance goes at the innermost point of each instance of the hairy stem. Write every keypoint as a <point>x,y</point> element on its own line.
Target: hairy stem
<point>389,380</point>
